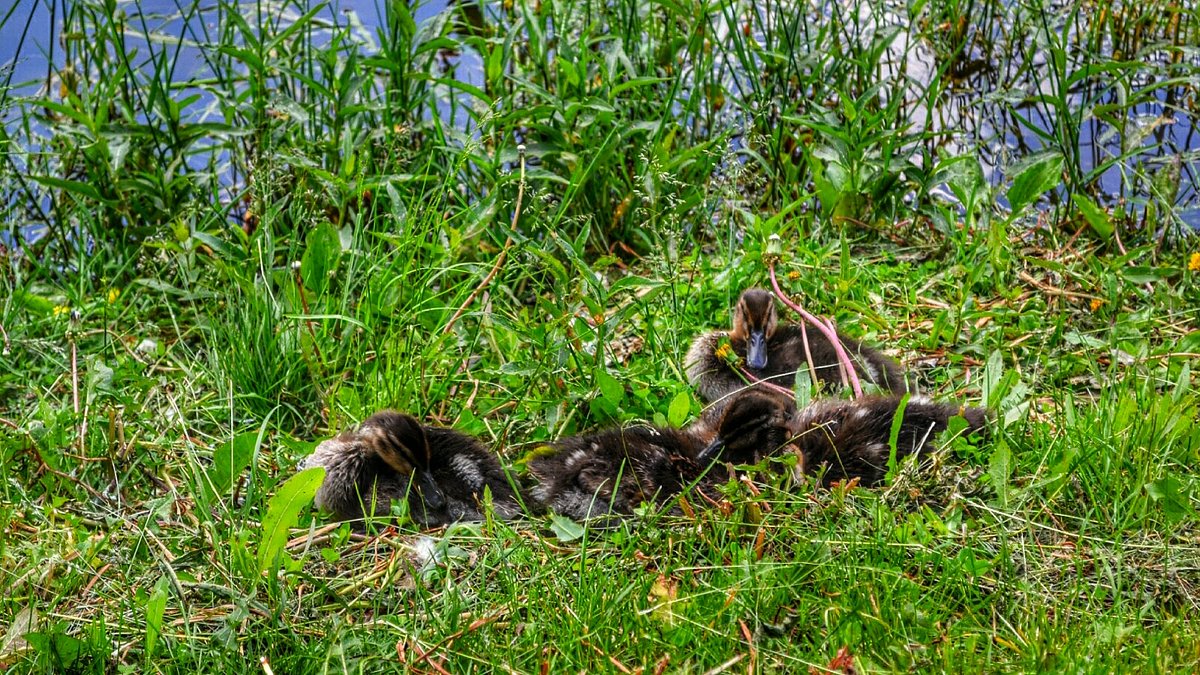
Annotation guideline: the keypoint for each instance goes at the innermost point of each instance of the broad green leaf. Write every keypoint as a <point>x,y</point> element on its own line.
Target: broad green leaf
<point>1183,382</point>
<point>99,379</point>
<point>610,388</point>
<point>59,649</point>
<point>324,248</point>
<point>1033,181</point>
<point>993,371</point>
<point>155,608</point>
<point>973,564</point>
<point>229,460</point>
<point>565,529</point>
<point>78,187</point>
<point>1095,216</point>
<point>677,413</point>
<point>244,55</point>
<point>1000,468</point>
<point>803,388</point>
<point>1142,274</point>
<point>33,303</point>
<point>283,512</point>
<point>894,435</point>
<point>1169,492</point>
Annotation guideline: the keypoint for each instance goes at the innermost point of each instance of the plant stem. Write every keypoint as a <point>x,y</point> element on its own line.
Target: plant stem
<point>844,359</point>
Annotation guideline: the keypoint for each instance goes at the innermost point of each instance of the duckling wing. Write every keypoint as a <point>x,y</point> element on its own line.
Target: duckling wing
<point>462,468</point>
<point>577,479</point>
<point>612,472</point>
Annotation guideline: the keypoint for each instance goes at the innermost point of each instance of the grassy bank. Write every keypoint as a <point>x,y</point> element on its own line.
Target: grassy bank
<point>225,280</point>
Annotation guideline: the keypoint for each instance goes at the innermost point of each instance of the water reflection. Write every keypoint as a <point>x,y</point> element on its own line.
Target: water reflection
<point>1005,102</point>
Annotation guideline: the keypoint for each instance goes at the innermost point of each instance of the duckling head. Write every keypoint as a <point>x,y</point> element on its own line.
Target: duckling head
<point>400,441</point>
<point>754,425</point>
<point>754,320</point>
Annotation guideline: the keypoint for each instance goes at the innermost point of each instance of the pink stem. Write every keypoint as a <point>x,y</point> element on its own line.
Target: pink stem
<point>828,330</point>
<point>812,369</point>
<point>769,385</point>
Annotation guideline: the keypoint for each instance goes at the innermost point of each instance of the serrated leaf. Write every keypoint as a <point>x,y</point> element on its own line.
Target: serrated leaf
<point>677,413</point>
<point>283,512</point>
<point>565,529</point>
<point>1033,181</point>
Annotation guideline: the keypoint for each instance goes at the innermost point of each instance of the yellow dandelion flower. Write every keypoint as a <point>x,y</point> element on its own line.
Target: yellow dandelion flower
<point>1194,262</point>
<point>1096,304</point>
<point>794,275</point>
<point>113,294</point>
<point>723,351</point>
<point>59,310</point>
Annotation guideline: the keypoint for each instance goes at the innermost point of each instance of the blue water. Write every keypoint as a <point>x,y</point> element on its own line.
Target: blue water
<point>29,43</point>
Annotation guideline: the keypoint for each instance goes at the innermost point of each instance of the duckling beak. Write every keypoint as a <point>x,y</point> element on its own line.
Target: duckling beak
<point>709,453</point>
<point>431,494</point>
<point>756,350</point>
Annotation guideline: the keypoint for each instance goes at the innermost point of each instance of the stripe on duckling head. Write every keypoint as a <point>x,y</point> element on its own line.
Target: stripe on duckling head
<point>756,313</point>
<point>398,439</point>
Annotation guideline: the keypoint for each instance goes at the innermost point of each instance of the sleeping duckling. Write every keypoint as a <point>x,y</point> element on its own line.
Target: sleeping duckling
<point>441,472</point>
<point>836,439</point>
<point>841,440</point>
<point>754,425</point>
<point>774,352</point>
<point>613,472</point>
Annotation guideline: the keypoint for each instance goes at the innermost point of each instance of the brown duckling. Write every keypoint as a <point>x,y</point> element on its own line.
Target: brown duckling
<point>836,439</point>
<point>841,440</point>
<point>441,472</point>
<point>774,352</point>
<point>613,472</point>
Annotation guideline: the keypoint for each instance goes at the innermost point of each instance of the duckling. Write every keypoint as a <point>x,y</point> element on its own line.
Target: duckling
<point>835,439</point>
<point>612,472</point>
<point>754,425</point>
<point>441,472</point>
<point>774,352</point>
<point>841,440</point>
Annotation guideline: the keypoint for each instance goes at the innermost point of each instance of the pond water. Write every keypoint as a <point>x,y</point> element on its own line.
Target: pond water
<point>1000,112</point>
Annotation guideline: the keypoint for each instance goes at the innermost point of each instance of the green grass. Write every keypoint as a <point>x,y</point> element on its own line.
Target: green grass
<point>223,327</point>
